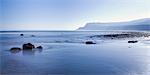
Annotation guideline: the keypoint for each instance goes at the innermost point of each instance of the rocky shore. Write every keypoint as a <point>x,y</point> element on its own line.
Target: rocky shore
<point>122,35</point>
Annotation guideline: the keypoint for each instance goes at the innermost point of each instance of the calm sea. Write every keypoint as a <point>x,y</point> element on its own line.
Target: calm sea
<point>64,53</point>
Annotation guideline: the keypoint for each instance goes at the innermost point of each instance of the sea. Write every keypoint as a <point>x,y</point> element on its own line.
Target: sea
<point>65,53</point>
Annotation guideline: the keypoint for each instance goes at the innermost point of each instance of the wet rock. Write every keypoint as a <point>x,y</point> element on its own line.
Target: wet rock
<point>15,49</point>
<point>39,47</point>
<point>132,41</point>
<point>90,42</point>
<point>21,34</point>
<point>28,46</point>
<point>117,35</point>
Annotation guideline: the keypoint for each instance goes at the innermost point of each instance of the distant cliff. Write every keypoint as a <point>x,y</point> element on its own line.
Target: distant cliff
<point>141,24</point>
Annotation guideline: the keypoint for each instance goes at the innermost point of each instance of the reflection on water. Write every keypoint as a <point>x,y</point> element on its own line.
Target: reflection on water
<point>27,52</point>
<point>15,51</point>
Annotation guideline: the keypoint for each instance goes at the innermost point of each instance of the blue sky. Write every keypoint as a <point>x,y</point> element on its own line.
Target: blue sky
<point>67,14</point>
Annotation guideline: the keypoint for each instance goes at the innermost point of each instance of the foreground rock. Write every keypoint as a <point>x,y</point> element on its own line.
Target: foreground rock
<point>15,49</point>
<point>90,42</point>
<point>25,47</point>
<point>132,41</point>
<point>28,46</point>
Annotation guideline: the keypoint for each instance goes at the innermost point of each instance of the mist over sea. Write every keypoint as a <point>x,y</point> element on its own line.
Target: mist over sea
<point>65,53</point>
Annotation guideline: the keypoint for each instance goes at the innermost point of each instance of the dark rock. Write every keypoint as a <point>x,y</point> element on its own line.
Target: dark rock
<point>15,49</point>
<point>21,34</point>
<point>28,46</point>
<point>117,35</point>
<point>89,42</point>
<point>39,47</point>
<point>132,41</point>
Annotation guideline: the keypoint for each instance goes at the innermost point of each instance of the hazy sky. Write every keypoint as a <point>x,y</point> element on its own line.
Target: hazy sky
<point>67,14</point>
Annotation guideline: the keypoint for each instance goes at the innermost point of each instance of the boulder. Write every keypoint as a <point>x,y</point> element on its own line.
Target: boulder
<point>15,49</point>
<point>90,42</point>
<point>28,46</point>
<point>132,41</point>
<point>39,47</point>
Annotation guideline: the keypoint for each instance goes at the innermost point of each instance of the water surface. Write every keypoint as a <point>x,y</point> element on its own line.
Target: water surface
<point>65,53</point>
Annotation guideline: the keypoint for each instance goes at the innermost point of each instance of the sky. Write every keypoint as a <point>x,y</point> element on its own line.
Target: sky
<point>68,14</point>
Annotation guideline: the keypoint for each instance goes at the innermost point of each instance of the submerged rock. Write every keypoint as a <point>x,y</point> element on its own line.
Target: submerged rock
<point>132,41</point>
<point>15,49</point>
<point>32,35</point>
<point>90,42</point>
<point>28,46</point>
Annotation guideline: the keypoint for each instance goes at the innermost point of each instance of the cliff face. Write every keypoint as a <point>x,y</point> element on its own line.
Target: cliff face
<point>141,24</point>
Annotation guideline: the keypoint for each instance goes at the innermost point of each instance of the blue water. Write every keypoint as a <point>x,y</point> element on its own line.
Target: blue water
<point>64,53</point>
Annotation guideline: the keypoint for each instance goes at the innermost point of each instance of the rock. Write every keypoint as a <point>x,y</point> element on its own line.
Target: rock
<point>39,47</point>
<point>21,34</point>
<point>15,49</point>
<point>28,46</point>
<point>132,41</point>
<point>89,42</point>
